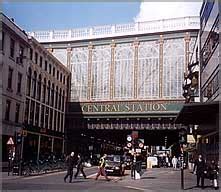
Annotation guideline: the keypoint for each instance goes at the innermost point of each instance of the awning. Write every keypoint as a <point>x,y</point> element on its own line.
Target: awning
<point>198,113</point>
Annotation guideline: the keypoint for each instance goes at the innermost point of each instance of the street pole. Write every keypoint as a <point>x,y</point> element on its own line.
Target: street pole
<point>21,155</point>
<point>182,167</point>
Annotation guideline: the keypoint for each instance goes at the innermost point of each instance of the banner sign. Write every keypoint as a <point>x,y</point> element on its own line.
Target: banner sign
<point>126,108</point>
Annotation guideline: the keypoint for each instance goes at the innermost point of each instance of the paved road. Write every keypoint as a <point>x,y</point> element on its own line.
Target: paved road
<point>153,180</point>
<point>55,181</point>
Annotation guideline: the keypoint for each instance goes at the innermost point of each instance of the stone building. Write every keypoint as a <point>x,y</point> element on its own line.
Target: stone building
<point>13,62</point>
<point>125,77</point>
<point>203,117</point>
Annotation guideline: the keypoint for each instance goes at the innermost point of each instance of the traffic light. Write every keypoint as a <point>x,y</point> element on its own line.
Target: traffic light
<point>129,141</point>
<point>182,136</point>
<point>18,138</point>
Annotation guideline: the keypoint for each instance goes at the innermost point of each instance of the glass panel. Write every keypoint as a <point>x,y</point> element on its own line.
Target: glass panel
<point>79,70</point>
<point>101,61</point>
<point>124,71</point>
<point>148,70</point>
<point>173,68</point>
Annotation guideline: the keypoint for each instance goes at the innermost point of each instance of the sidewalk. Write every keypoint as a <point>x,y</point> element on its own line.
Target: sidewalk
<point>164,179</point>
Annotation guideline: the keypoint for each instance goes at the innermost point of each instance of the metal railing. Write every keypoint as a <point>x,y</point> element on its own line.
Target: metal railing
<point>182,23</point>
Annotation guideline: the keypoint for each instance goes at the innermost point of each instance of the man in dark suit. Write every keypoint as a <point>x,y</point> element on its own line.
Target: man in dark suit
<point>70,166</point>
<point>80,166</point>
<point>199,169</point>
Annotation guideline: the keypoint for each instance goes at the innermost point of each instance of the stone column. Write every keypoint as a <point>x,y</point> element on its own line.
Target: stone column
<point>187,44</point>
<point>69,53</point>
<point>112,71</point>
<point>90,49</point>
<point>136,45</point>
<point>161,41</point>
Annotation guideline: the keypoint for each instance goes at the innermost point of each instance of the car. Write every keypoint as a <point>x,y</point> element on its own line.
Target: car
<point>153,160</point>
<point>114,165</point>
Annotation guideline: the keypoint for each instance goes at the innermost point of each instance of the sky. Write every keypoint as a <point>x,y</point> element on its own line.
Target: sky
<point>34,16</point>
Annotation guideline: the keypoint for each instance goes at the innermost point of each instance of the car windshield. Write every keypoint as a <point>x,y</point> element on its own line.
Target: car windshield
<point>113,158</point>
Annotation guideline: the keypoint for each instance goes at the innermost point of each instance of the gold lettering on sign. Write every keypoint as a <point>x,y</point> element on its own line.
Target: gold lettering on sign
<point>102,108</point>
<point>83,108</point>
<point>127,108</point>
<point>163,107</point>
<point>156,107</point>
<point>89,108</point>
<point>124,107</point>
<point>95,108</point>
<point>114,108</point>
<point>139,108</point>
<point>107,108</point>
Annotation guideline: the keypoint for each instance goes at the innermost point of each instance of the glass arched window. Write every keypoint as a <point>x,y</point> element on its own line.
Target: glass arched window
<point>148,70</point>
<point>101,61</point>
<point>79,69</point>
<point>173,68</point>
<point>124,71</point>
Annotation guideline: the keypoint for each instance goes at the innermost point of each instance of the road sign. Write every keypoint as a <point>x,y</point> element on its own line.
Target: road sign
<point>129,145</point>
<point>10,141</point>
<point>129,138</point>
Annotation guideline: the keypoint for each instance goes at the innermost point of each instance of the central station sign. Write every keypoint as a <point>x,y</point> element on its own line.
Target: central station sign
<point>126,107</point>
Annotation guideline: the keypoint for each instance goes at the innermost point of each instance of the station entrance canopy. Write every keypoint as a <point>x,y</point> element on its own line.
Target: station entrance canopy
<point>122,115</point>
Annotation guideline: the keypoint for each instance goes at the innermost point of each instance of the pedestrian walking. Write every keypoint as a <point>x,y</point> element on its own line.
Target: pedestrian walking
<point>199,169</point>
<point>213,170</point>
<point>70,166</point>
<point>174,162</point>
<point>101,170</point>
<point>80,166</point>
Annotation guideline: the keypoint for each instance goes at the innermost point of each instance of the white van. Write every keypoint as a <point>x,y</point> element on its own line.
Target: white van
<point>153,160</point>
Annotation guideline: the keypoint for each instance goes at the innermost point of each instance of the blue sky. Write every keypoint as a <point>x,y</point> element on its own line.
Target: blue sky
<point>34,16</point>
<point>61,15</point>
